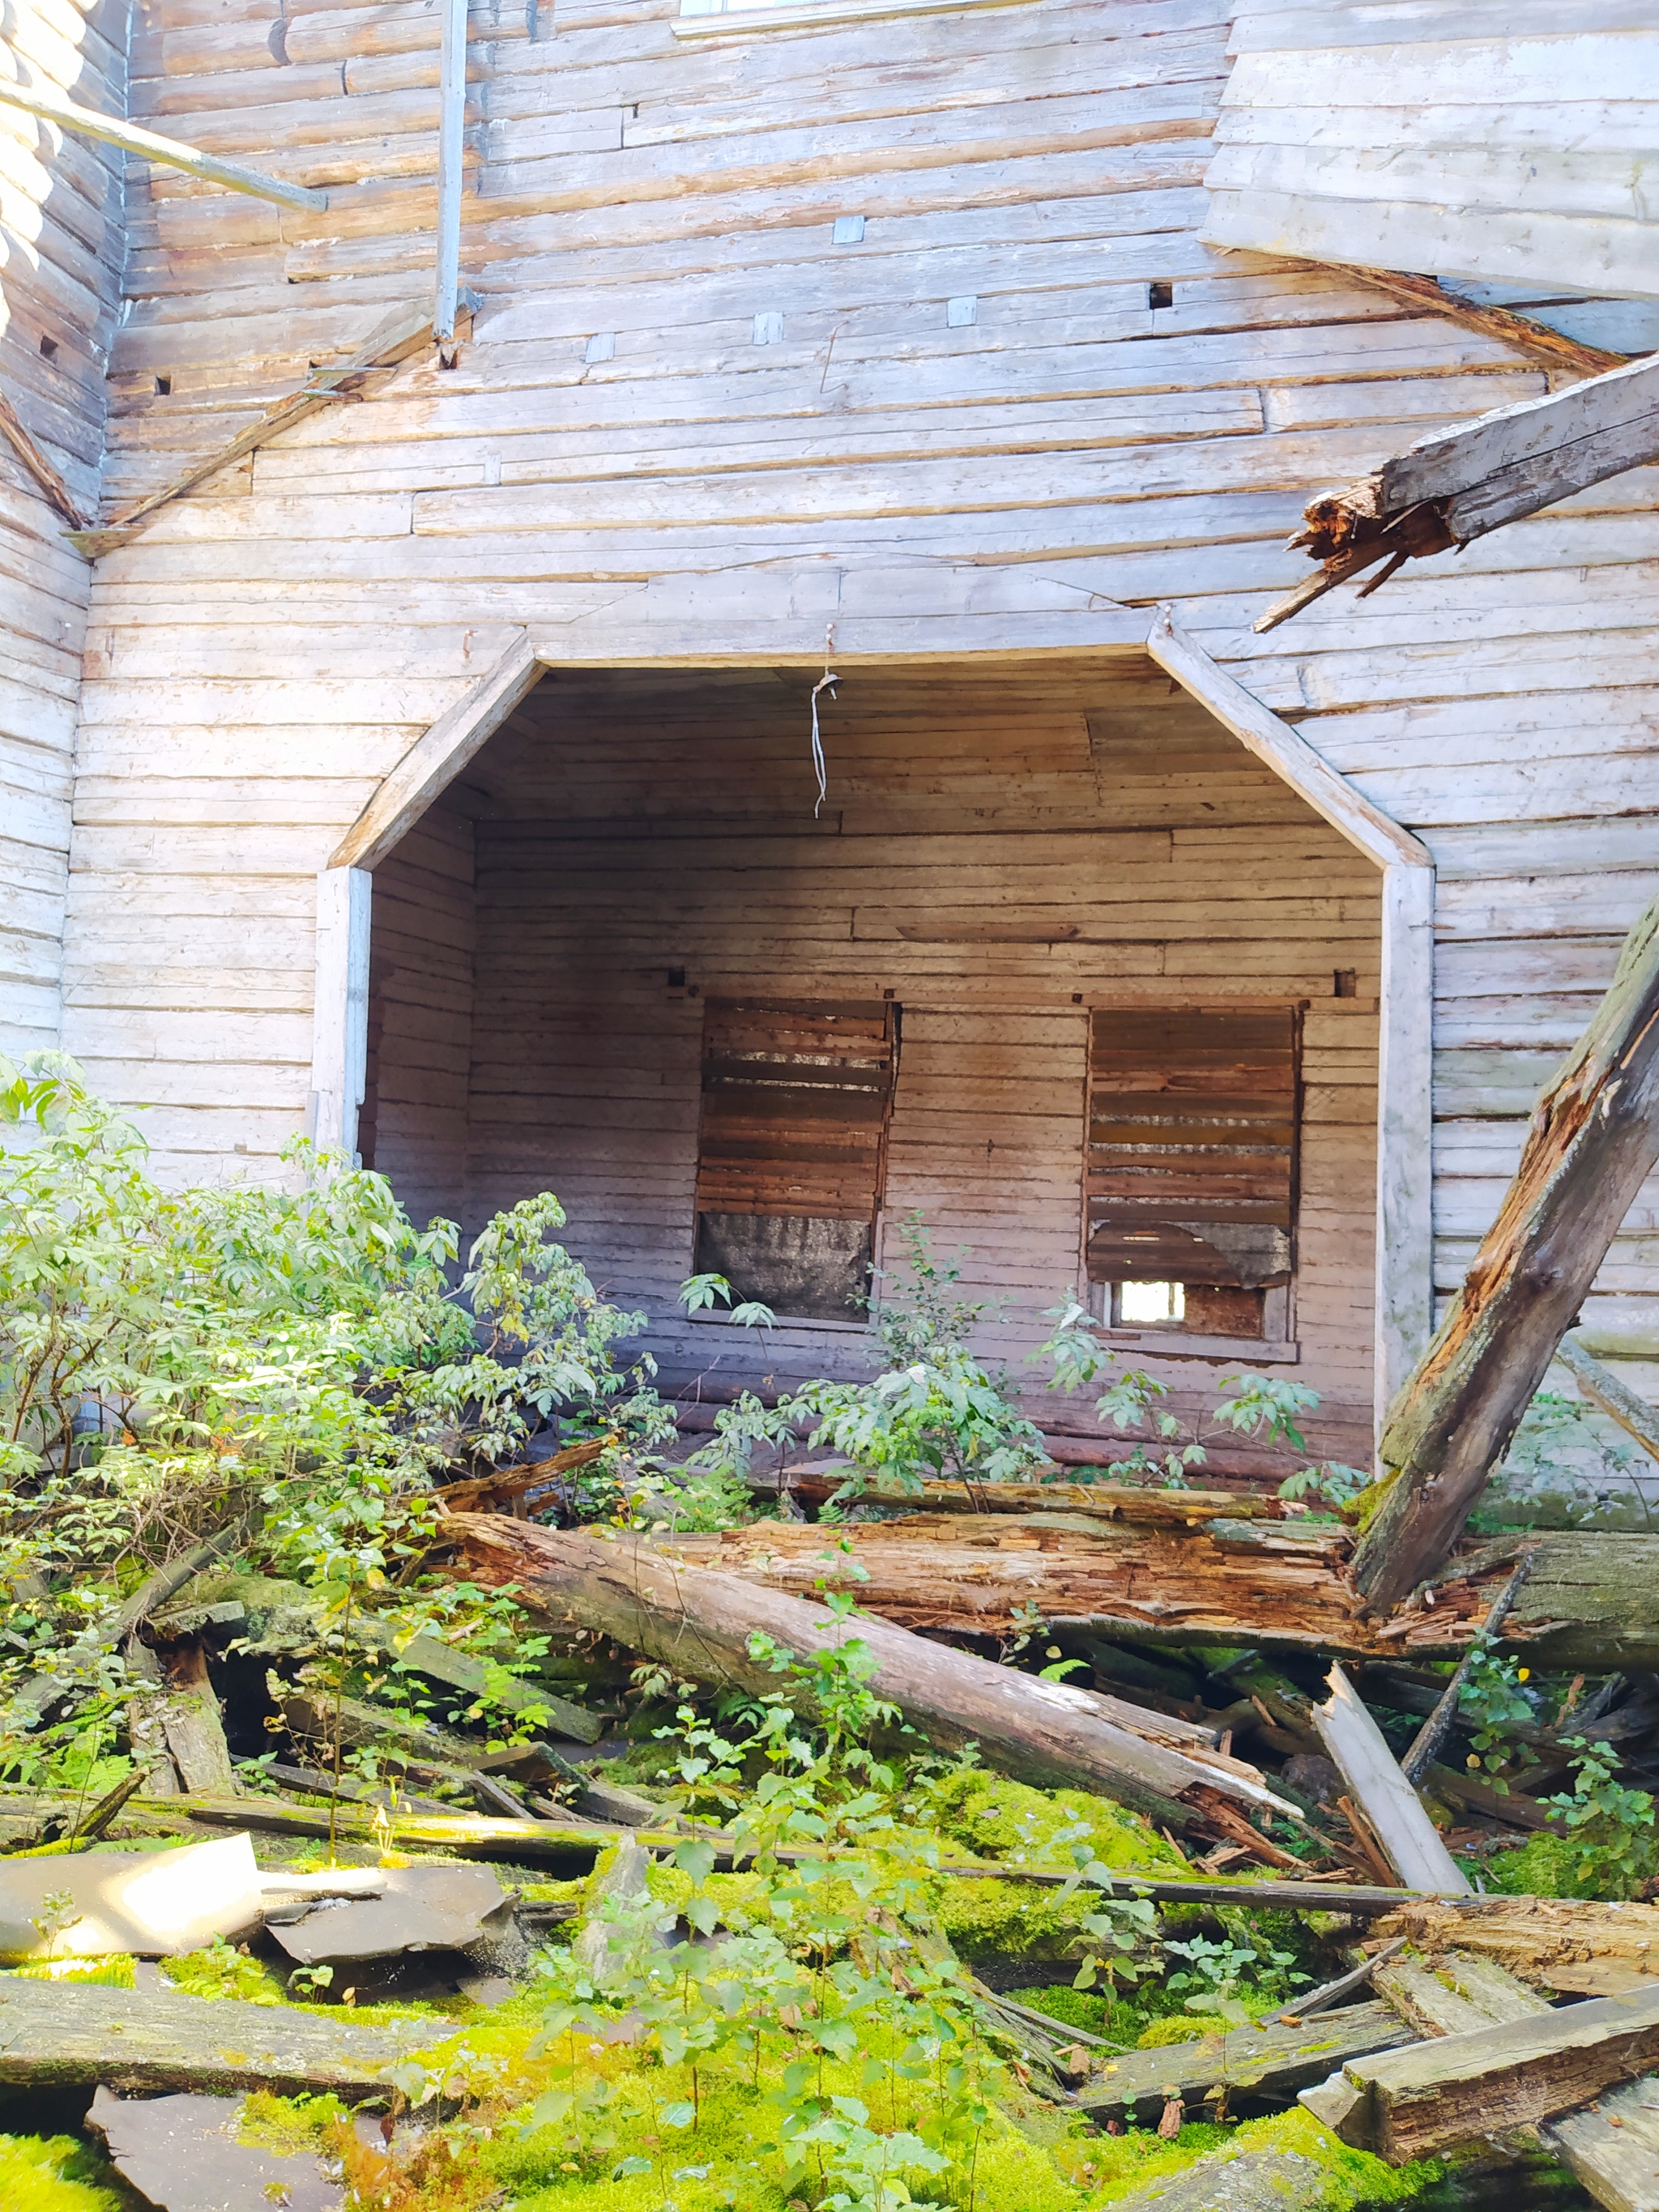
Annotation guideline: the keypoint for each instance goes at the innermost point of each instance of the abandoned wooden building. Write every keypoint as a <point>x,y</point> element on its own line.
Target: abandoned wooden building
<point>434,773</point>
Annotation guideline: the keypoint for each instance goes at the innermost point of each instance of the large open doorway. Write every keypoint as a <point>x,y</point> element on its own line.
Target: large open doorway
<point>1057,965</point>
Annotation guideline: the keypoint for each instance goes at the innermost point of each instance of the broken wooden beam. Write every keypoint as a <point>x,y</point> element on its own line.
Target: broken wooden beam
<point>1553,348</point>
<point>704,1623</point>
<point>1392,1810</point>
<point>1272,2062</point>
<point>46,478</point>
<point>405,332</point>
<point>1438,2095</point>
<point>1612,1396</point>
<point>1457,485</point>
<point>1612,2146</point>
<point>59,2034</point>
<point>1593,1140</point>
<point>150,146</point>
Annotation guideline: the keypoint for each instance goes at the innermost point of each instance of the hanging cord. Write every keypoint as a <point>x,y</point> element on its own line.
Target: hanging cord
<point>827,681</point>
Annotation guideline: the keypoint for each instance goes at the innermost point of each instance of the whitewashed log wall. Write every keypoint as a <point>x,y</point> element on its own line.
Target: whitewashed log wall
<point>677,372</point>
<point>1513,145</point>
<point>62,245</point>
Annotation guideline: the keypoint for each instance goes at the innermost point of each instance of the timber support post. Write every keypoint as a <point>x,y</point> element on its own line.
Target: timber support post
<point>1593,1138</point>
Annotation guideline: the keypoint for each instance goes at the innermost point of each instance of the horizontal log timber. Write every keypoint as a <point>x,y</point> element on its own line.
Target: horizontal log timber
<point>702,1622</point>
<point>1588,1601</point>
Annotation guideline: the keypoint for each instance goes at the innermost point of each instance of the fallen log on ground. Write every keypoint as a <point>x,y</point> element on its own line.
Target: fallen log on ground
<point>55,2034</point>
<point>1272,2062</point>
<point>1438,2095</point>
<point>701,1623</point>
<point>1589,1602</point>
<point>1593,1140</point>
<point>1104,1501</point>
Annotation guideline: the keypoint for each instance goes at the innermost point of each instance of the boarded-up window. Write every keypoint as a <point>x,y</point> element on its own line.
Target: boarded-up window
<point>1193,1116</point>
<point>793,1153</point>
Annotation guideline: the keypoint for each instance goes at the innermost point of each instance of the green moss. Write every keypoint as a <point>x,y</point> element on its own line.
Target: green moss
<point>56,2173</point>
<point>287,2123</point>
<point>1352,2176</point>
<point>221,1970</point>
<point>996,1818</point>
<point>1544,1867</point>
<point>1084,2009</point>
<point>114,1973</point>
<point>1180,2027</point>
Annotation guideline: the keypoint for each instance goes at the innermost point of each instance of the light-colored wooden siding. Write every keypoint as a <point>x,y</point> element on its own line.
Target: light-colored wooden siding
<point>1509,145</point>
<point>61,250</point>
<point>272,646</point>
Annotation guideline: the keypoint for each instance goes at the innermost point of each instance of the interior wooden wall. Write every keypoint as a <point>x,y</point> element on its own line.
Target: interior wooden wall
<point>266,652</point>
<point>62,247</point>
<point>999,850</point>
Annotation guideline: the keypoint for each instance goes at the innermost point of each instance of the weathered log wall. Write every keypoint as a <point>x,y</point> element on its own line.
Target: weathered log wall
<point>679,373</point>
<point>61,250</point>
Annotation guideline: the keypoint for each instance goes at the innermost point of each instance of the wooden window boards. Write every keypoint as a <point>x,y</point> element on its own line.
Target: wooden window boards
<point>792,1154</point>
<point>1192,1154</point>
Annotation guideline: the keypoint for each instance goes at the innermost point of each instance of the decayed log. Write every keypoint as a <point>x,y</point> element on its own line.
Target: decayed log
<point>1589,1601</point>
<point>59,2033</point>
<point>1103,1501</point>
<point>1270,2061</point>
<point>1415,2103</point>
<point>1594,1137</point>
<point>1557,1944</point>
<point>701,1623</point>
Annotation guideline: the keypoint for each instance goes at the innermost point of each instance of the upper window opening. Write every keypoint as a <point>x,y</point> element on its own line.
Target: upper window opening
<point>792,1156</point>
<point>1192,1167</point>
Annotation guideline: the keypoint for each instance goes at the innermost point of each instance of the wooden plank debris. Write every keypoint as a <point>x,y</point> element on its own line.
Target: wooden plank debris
<point>1554,1943</point>
<point>1612,2147</point>
<point>1420,1752</point>
<point>1392,1808</point>
<point>150,146</point>
<point>57,2034</point>
<point>1454,486</point>
<point>405,332</point>
<point>691,1618</point>
<point>1417,2103</point>
<point>1593,1138</point>
<point>1271,2062</point>
<point>1553,348</point>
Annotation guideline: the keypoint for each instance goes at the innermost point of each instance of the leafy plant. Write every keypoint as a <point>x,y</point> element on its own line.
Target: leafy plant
<point>1610,1827</point>
<point>1494,1697</point>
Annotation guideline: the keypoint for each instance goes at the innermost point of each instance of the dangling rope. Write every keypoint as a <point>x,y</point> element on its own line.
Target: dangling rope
<point>827,681</point>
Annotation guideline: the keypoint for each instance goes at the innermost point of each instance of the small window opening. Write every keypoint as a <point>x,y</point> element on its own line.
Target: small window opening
<point>164,385</point>
<point>49,348</point>
<point>1156,1303</point>
<point>791,1155</point>
<point>1160,294</point>
<point>1346,983</point>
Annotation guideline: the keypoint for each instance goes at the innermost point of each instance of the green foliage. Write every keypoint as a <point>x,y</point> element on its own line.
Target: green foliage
<point>1567,1467</point>
<point>1495,1698</point>
<point>1262,1407</point>
<point>1610,1839</point>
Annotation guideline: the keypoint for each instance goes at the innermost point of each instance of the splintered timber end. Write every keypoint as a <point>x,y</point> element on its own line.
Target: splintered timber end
<point>1342,2107</point>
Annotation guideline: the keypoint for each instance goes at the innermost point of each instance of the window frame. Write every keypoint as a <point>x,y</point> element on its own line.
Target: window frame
<point>1280,1347</point>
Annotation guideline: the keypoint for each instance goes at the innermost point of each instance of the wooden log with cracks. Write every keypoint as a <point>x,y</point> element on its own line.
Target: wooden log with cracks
<point>702,1624</point>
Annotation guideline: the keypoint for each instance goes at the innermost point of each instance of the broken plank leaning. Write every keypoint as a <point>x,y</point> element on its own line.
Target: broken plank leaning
<point>1392,1808</point>
<point>150,146</point>
<point>57,2034</point>
<point>1593,1140</point>
<point>703,1623</point>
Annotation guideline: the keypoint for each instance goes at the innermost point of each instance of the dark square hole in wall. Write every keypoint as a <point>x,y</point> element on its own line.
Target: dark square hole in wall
<point>1160,294</point>
<point>1345,983</point>
<point>804,1267</point>
<point>49,348</point>
<point>164,385</point>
